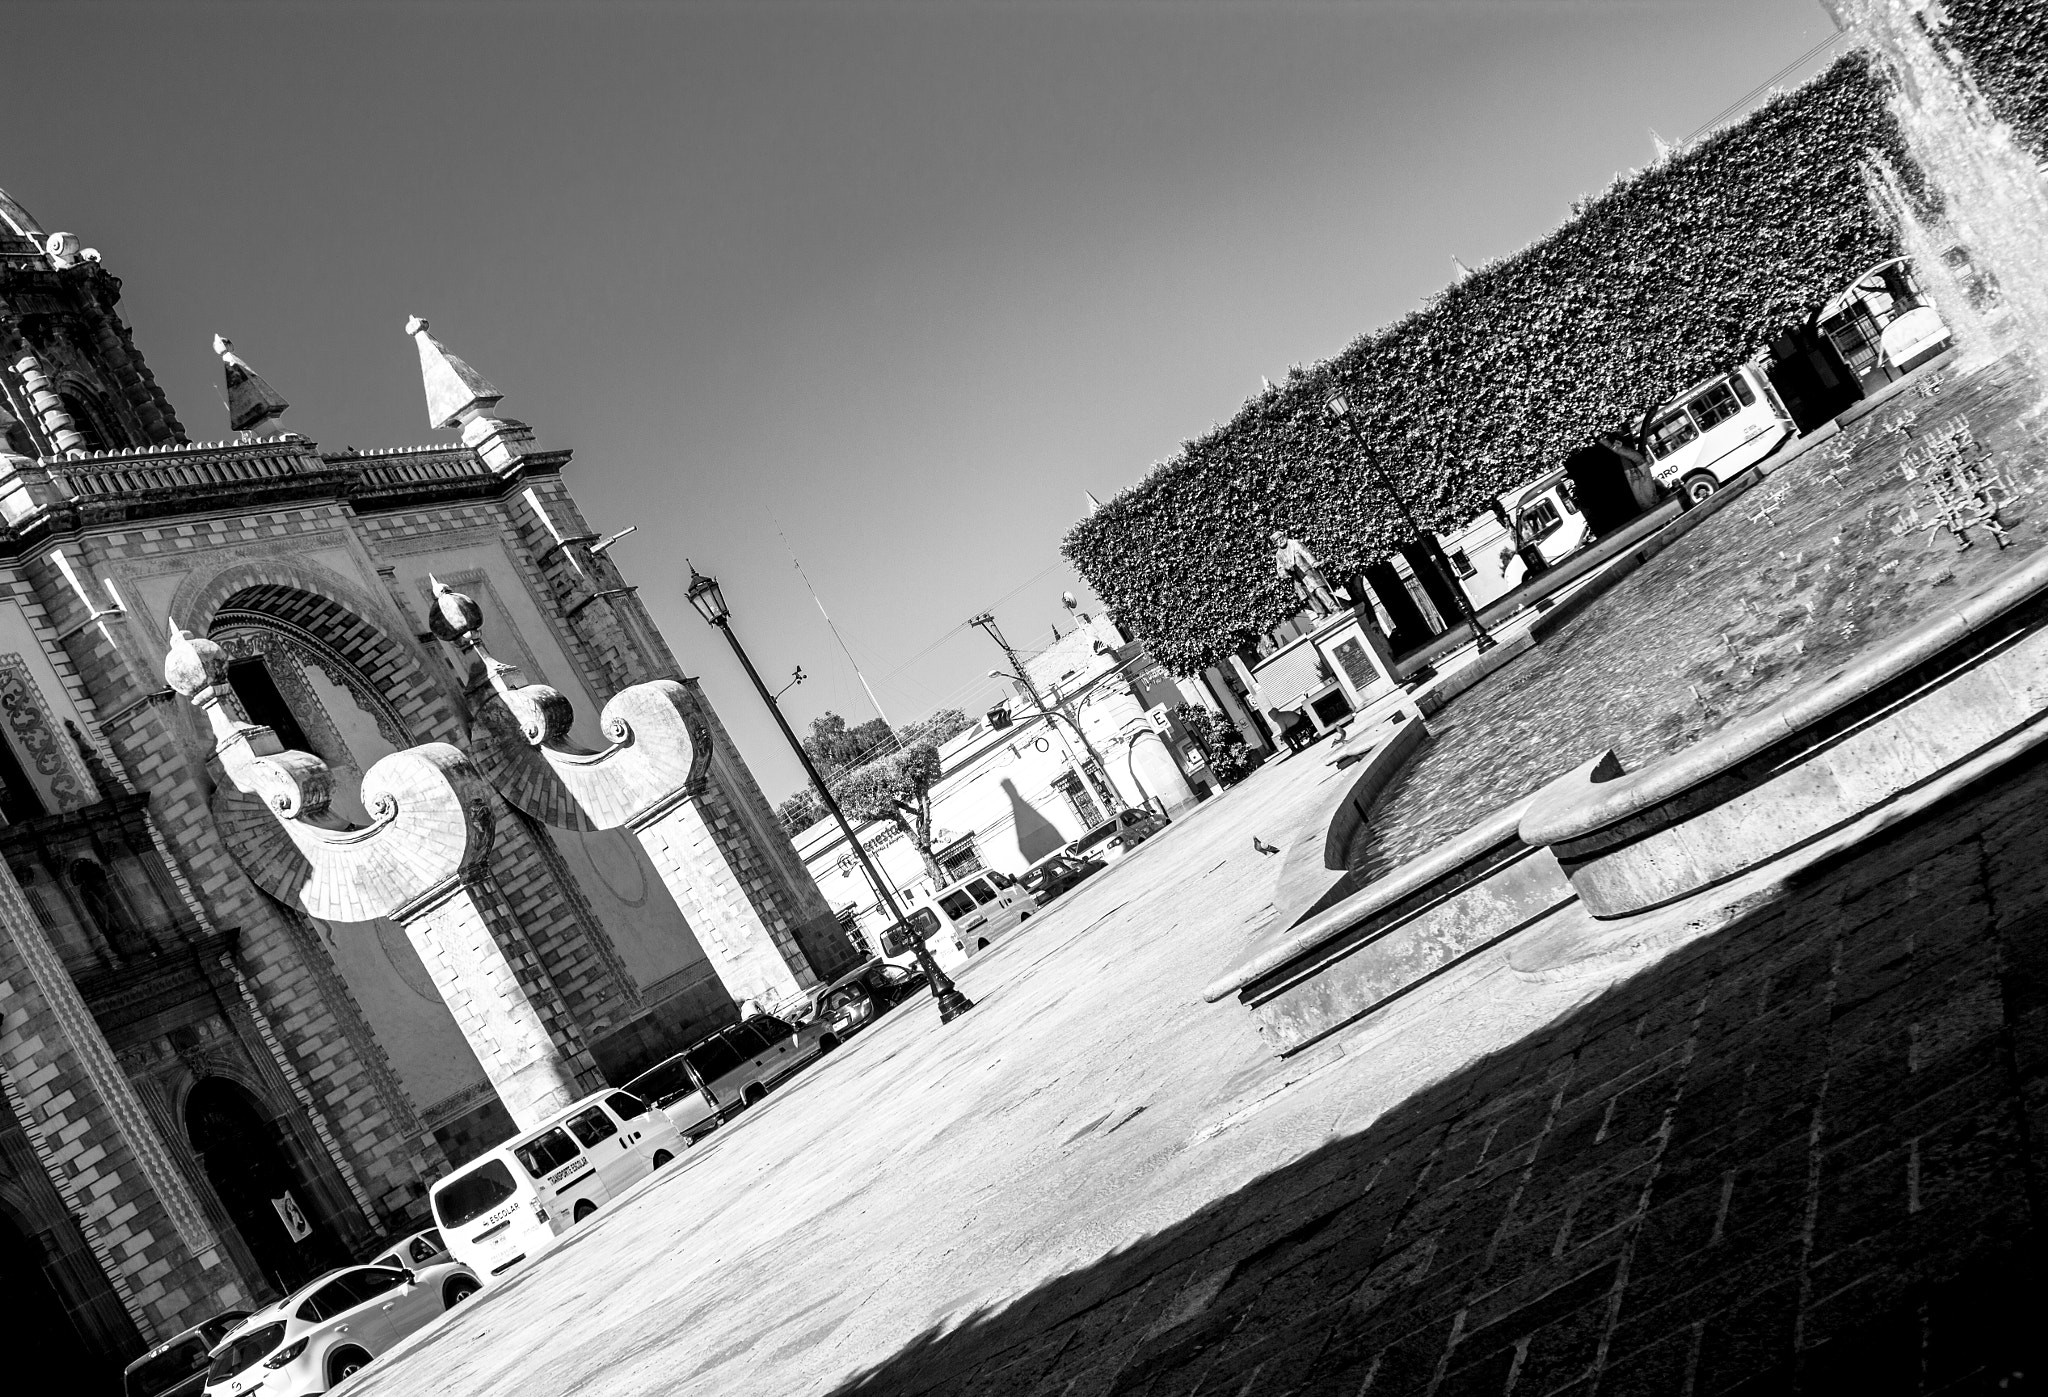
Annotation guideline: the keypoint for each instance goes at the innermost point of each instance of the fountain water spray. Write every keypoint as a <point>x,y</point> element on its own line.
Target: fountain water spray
<point>1995,201</point>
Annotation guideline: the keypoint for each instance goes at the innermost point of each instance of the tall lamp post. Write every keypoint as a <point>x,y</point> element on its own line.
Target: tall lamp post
<point>705,595</point>
<point>1339,407</point>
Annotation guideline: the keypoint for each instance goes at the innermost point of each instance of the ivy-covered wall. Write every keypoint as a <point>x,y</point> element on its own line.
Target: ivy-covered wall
<point>1671,275</point>
<point>2004,43</point>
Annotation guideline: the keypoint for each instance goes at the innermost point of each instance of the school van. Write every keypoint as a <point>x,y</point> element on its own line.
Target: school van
<point>1713,432</point>
<point>506,1206</point>
<point>980,909</point>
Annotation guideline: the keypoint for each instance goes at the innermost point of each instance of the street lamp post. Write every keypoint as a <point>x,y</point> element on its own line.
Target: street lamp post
<point>705,595</point>
<point>1338,407</point>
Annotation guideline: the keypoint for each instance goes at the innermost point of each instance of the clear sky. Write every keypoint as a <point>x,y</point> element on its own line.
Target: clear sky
<point>896,282</point>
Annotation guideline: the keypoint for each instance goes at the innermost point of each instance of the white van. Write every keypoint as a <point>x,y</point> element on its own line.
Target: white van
<point>976,911</point>
<point>506,1206</point>
<point>1714,431</point>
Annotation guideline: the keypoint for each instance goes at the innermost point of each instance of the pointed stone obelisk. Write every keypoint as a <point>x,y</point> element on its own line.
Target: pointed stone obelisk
<point>459,396</point>
<point>255,409</point>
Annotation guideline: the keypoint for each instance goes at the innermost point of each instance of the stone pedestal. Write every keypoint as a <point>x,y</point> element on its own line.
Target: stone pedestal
<point>424,863</point>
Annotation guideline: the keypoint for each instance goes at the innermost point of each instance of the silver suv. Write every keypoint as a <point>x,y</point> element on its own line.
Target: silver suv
<point>717,1076</point>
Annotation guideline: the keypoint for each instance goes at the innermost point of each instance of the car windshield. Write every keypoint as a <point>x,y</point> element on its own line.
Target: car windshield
<point>664,1082</point>
<point>843,997</point>
<point>244,1352</point>
<point>1096,836</point>
<point>167,1369</point>
<point>471,1195</point>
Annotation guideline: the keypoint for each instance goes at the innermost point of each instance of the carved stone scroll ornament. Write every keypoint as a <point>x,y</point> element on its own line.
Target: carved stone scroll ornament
<point>658,744</point>
<point>423,861</point>
<point>653,779</point>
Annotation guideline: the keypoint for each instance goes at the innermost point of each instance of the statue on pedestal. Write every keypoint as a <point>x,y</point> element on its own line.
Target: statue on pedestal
<point>1292,560</point>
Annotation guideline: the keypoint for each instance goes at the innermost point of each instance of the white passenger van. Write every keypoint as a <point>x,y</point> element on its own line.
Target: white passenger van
<point>507,1206</point>
<point>1714,431</point>
<point>974,912</point>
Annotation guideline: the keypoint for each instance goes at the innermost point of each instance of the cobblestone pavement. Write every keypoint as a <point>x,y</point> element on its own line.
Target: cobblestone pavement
<point>1778,1137</point>
<point>1785,584</point>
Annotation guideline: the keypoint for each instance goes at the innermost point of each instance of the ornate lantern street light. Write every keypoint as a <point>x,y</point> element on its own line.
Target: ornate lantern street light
<point>1339,407</point>
<point>704,594</point>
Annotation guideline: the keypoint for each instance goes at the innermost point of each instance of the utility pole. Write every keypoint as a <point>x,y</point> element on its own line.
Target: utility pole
<point>986,621</point>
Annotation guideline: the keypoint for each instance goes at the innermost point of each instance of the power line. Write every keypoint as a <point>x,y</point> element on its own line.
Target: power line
<point>1746,98</point>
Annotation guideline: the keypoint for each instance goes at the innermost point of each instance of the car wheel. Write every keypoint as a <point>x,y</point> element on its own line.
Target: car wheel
<point>584,1208</point>
<point>346,1363</point>
<point>1699,488</point>
<point>981,945</point>
<point>662,1157</point>
<point>827,1042</point>
<point>457,1291</point>
<point>753,1093</point>
<point>1023,916</point>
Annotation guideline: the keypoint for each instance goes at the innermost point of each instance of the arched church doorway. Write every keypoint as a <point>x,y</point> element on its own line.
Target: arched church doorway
<point>270,1204</point>
<point>35,1321</point>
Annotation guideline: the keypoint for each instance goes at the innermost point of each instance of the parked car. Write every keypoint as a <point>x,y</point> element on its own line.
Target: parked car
<point>860,999</point>
<point>1117,836</point>
<point>422,1248</point>
<point>177,1366</point>
<point>332,1327</point>
<point>506,1206</point>
<point>1055,873</point>
<point>924,923</point>
<point>721,1074</point>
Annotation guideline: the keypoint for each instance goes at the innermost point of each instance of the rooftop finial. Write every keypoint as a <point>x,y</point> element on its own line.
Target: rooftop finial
<point>456,393</point>
<point>255,409</point>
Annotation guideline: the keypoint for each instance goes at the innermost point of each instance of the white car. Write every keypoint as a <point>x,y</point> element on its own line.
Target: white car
<point>330,1328</point>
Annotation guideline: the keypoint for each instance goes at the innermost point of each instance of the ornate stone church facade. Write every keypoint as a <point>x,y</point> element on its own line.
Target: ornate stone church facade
<point>195,1042</point>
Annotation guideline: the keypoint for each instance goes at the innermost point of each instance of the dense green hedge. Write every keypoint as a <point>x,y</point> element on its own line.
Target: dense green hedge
<point>1670,275</point>
<point>2005,44</point>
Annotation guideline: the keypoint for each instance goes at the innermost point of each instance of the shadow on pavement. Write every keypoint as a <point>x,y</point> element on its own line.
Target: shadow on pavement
<point>1797,1156</point>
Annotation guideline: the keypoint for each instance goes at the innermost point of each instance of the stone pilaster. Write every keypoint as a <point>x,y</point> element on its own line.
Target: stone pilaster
<point>95,1139</point>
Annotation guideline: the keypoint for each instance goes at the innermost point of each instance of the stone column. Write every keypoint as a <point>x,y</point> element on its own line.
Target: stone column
<point>653,780</point>
<point>424,862</point>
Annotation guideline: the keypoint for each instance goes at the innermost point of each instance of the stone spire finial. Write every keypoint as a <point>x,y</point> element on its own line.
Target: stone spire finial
<point>254,407</point>
<point>456,393</point>
<point>452,616</point>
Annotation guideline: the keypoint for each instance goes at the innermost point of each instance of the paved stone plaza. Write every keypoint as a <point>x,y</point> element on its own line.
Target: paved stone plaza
<point>1793,1117</point>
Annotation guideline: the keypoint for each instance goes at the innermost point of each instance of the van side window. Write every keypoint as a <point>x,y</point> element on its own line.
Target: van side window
<point>1669,433</point>
<point>713,1058</point>
<point>981,892</point>
<point>547,1153</point>
<point>1714,406</point>
<point>625,1105</point>
<point>592,1126</point>
<point>956,905</point>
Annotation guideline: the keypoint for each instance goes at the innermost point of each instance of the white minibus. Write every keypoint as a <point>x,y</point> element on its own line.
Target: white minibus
<point>1714,431</point>
<point>508,1205</point>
